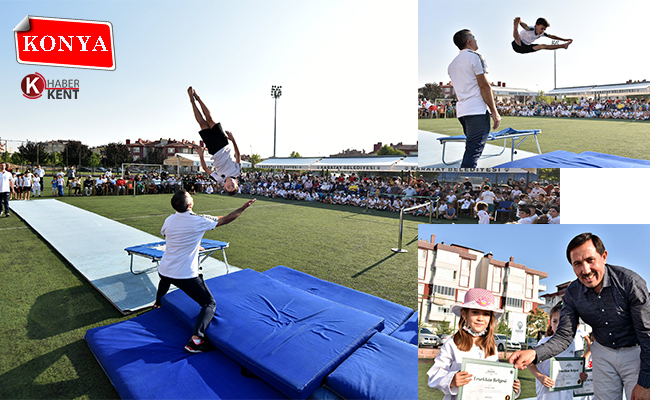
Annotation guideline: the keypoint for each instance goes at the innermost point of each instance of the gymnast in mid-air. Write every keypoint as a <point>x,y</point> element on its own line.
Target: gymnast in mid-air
<point>523,42</point>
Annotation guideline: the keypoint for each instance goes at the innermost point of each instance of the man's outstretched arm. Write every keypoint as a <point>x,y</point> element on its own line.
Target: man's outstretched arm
<point>235,214</point>
<point>205,167</point>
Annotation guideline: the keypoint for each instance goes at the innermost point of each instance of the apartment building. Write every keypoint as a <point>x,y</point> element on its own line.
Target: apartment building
<point>447,272</point>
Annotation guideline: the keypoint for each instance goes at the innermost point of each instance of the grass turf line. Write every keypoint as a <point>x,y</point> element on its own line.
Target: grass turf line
<point>618,137</point>
<point>47,306</point>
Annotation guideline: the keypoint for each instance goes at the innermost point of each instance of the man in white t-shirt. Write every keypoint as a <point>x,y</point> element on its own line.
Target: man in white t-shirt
<point>523,42</point>
<point>6,187</point>
<point>554,215</point>
<point>180,262</point>
<point>226,159</point>
<point>527,215</point>
<point>475,97</point>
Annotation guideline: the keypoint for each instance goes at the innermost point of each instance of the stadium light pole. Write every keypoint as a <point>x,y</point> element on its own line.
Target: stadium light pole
<point>276,92</point>
<point>555,64</point>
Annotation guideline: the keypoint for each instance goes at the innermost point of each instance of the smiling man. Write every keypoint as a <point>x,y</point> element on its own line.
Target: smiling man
<point>615,302</point>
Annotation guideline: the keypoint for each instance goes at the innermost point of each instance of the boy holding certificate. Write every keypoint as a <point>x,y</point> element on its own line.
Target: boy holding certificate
<point>474,340</point>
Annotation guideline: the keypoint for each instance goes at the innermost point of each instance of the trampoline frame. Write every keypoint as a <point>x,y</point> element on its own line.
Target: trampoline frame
<point>209,248</point>
<point>512,136</point>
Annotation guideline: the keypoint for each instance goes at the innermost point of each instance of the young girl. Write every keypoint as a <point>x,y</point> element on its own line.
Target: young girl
<point>542,370</point>
<point>474,339</point>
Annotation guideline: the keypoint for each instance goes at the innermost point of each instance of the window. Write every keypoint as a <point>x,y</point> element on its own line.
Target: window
<point>170,150</point>
<point>421,270</point>
<point>444,273</point>
<point>421,288</point>
<point>185,151</point>
<point>516,287</point>
<point>444,310</point>
<point>422,255</point>
<point>444,290</point>
<point>528,305</point>
<point>529,286</point>
<point>511,302</point>
<point>497,276</point>
<point>136,149</point>
<point>464,273</point>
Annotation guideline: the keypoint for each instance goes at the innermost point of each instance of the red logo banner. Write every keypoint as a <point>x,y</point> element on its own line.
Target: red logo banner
<point>61,42</point>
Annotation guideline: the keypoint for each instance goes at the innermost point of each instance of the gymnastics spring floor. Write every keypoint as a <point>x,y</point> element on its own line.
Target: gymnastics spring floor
<point>94,246</point>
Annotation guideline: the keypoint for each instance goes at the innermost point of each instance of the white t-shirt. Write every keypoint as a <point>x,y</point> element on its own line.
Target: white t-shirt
<point>5,180</point>
<point>225,164</point>
<point>529,36</point>
<point>483,217</point>
<point>462,71</point>
<point>552,220</point>
<point>183,233</point>
<point>488,197</point>
<point>528,220</point>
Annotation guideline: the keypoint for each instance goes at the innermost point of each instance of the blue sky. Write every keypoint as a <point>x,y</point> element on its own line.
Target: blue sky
<point>543,247</point>
<point>347,69</point>
<point>608,40</point>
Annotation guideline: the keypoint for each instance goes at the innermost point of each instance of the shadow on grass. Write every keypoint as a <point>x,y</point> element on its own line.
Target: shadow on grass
<point>65,310</point>
<point>83,376</point>
<point>388,257</point>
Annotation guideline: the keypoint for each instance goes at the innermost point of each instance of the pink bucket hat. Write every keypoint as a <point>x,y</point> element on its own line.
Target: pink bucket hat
<point>479,299</point>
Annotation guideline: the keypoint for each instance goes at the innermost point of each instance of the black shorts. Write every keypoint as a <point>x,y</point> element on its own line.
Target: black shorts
<point>523,48</point>
<point>214,138</point>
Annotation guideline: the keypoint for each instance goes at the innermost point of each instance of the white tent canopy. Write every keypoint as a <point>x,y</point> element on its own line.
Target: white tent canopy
<point>194,160</point>
<point>371,163</point>
<point>287,163</point>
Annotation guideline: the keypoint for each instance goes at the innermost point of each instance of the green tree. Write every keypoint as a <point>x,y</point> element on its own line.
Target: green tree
<point>387,150</point>
<point>75,153</point>
<point>154,156</point>
<point>504,329</point>
<point>255,159</point>
<point>544,99</point>
<point>33,152</point>
<point>17,158</point>
<point>55,158</point>
<point>444,328</point>
<point>115,154</point>
<point>295,154</point>
<point>536,320</point>
<point>431,91</point>
<point>94,160</point>
<point>549,174</point>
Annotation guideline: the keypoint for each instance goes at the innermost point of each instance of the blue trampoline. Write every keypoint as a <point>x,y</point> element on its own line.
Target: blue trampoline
<point>567,159</point>
<point>155,251</point>
<point>504,134</point>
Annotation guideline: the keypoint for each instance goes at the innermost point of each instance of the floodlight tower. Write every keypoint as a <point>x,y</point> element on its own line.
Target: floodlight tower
<point>555,65</point>
<point>276,92</point>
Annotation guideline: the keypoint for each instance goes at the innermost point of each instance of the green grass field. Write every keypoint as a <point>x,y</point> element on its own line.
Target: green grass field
<point>426,393</point>
<point>47,306</point>
<point>618,137</point>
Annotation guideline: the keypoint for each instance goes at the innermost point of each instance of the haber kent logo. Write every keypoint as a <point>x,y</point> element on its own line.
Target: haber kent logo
<point>33,86</point>
<point>62,42</point>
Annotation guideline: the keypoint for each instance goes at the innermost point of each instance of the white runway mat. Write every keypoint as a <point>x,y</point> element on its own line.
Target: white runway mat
<point>94,246</point>
<point>430,153</point>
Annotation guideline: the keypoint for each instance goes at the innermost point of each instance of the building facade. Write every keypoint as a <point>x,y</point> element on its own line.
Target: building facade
<point>447,272</point>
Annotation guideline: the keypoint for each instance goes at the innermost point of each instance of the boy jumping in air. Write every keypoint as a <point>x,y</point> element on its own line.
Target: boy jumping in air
<point>523,42</point>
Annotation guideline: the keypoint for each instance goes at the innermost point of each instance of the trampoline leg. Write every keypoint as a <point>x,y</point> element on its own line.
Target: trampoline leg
<point>225,260</point>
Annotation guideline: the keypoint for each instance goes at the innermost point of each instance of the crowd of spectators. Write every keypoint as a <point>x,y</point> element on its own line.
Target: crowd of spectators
<point>516,201</point>
<point>583,108</point>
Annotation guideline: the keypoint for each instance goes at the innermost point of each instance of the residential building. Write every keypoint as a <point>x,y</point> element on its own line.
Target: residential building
<point>447,272</point>
<point>140,148</point>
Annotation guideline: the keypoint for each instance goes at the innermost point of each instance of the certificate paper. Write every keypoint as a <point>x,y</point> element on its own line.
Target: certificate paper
<point>565,371</point>
<point>490,380</point>
<point>587,387</point>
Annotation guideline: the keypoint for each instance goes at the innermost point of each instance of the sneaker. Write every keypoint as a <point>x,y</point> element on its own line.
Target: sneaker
<point>198,348</point>
<point>7,214</point>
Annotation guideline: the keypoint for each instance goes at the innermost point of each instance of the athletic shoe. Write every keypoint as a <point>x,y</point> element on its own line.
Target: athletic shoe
<point>198,348</point>
<point>7,214</point>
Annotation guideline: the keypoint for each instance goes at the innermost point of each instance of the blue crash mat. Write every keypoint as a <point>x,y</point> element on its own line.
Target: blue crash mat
<point>566,159</point>
<point>394,314</point>
<point>408,331</point>
<point>288,337</point>
<point>144,358</point>
<point>385,368</point>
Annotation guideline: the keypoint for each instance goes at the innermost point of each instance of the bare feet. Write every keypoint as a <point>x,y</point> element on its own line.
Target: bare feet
<point>191,92</point>
<point>566,45</point>
<point>517,20</point>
